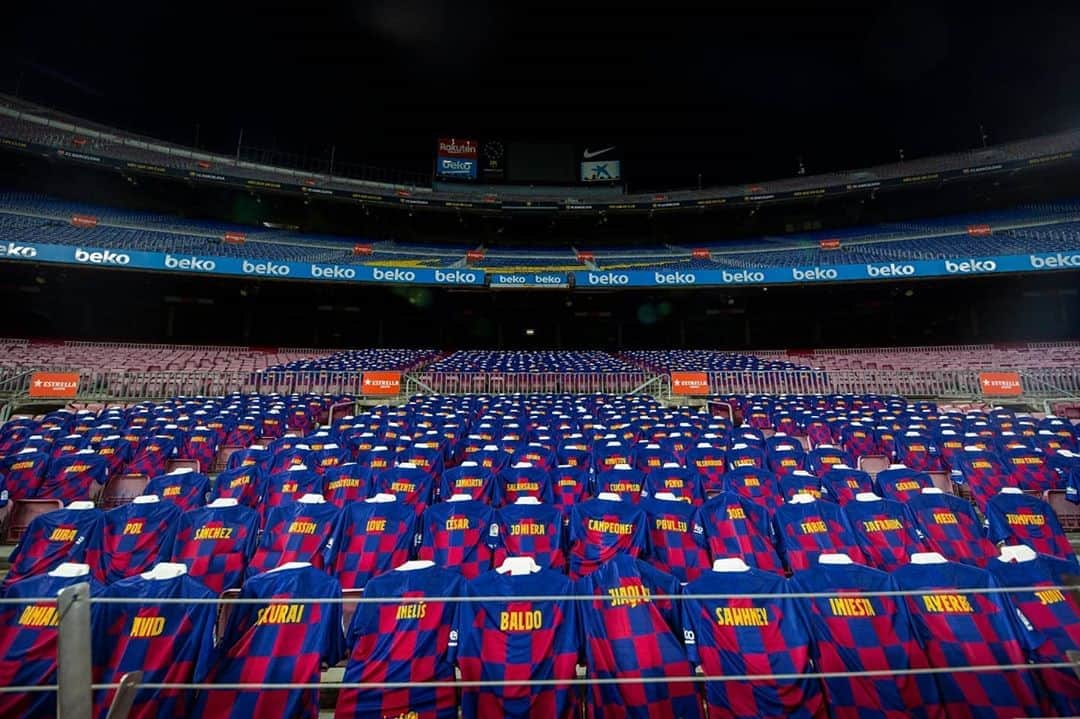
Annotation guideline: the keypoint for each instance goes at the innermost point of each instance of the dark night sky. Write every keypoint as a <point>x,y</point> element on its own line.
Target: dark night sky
<point>735,91</point>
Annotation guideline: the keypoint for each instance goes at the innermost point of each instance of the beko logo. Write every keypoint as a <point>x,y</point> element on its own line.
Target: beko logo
<point>608,278</point>
<point>189,263</point>
<point>510,279</point>
<point>890,270</point>
<point>458,277</point>
<point>675,278</point>
<point>744,276</point>
<point>102,257</point>
<point>1040,263</point>
<point>271,269</point>
<point>13,250</point>
<point>393,275</point>
<point>969,266</point>
<point>814,274</point>
<point>333,272</point>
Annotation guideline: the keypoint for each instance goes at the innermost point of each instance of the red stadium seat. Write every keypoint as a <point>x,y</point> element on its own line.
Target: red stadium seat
<point>122,489</point>
<point>224,609</point>
<point>192,464</point>
<point>1067,512</point>
<point>23,511</point>
<point>942,481</point>
<point>221,461</point>
<point>873,463</point>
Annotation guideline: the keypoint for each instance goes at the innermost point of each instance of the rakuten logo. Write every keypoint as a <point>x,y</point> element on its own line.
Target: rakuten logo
<point>1058,260</point>
<point>13,250</point>
<point>333,272</point>
<point>890,270</point>
<point>104,257</point>
<point>608,279</point>
<point>392,275</point>
<point>813,274</point>
<point>270,269</point>
<point>189,263</point>
<point>969,266</point>
<point>743,276</point>
<point>674,278</point>
<point>456,277</point>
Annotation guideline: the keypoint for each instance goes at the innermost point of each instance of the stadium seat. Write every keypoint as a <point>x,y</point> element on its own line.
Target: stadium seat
<point>221,461</point>
<point>942,481</point>
<point>192,464</point>
<point>1067,512</point>
<point>23,511</point>
<point>873,463</point>
<point>121,489</point>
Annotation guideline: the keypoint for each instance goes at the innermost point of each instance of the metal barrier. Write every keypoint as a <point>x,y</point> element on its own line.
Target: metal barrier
<point>512,383</point>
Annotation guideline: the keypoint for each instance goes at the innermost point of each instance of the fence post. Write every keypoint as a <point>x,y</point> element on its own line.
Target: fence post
<point>74,697</point>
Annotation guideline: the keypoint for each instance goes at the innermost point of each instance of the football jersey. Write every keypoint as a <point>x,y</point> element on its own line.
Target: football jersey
<point>408,641</point>
<point>513,483</point>
<point>244,484</point>
<point>115,451</point>
<point>606,455</point>
<point>857,633</point>
<point>858,440</point>
<point>183,487</point>
<point>1024,519</point>
<point>135,537</point>
<point>684,483</point>
<point>254,456</point>
<point>23,473</point>
<point>985,474</point>
<point>745,455</point>
<point>215,543</point>
<point>915,450</point>
<point>288,486</point>
<point>291,457</point>
<point>570,485</point>
<point>295,532</point>
<point>411,485</point>
<point>372,538</point>
<point>504,638</point>
<point>885,531</point>
<point>459,536</point>
<point>841,484</point>
<point>759,486</point>
<point>629,634</point>
<point>676,540</point>
<point>901,483</point>
<point>150,458</point>
<point>648,457</point>
<point>531,530</point>
<point>600,528</point>
<point>952,528</point>
<point>963,629</point>
<point>799,483</point>
<point>348,482</point>
<point>73,477</point>
<point>28,644</point>
<point>168,643</point>
<point>63,535</point>
<point>627,483</point>
<point>824,457</point>
<point>710,462</point>
<point>728,637</point>
<point>473,480</point>
<point>1051,619</point>
<point>1029,470</point>
<point>328,457</point>
<point>735,527</point>
<point>806,530</point>
<point>277,643</point>
<point>537,455</point>
<point>786,461</point>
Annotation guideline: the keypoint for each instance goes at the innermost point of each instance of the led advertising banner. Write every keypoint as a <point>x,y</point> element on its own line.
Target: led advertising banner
<point>457,158</point>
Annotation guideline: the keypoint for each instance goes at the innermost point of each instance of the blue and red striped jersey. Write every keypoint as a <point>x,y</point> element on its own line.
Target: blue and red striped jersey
<point>736,527</point>
<point>200,445</point>
<point>759,486</point>
<point>348,482</point>
<point>799,483</point>
<point>710,462</point>
<point>183,487</point>
<point>253,456</point>
<point>570,485</point>
<point>627,483</point>
<point>63,535</point>
<point>1050,618</point>
<point>985,474</point>
<point>244,484</point>
<point>745,455</point>
<point>959,629</point>
<point>841,484</point>
<point>459,536</point>
<point>538,455</point>
<point>168,643</point>
<point>277,643</point>
<point>786,461</point>
<point>730,637</point>
<point>630,634</point>
<point>23,473</point>
<point>514,482</point>
<point>327,457</point>
<point>150,458</point>
<point>824,457</point>
<point>1029,470</point>
<point>411,485</point>
<point>295,532</point>
<point>28,644</point>
<point>648,457</point>
<point>607,454</point>
<point>857,633</point>
<point>901,483</point>
<point>885,531</point>
<point>858,440</point>
<point>523,641</point>
<point>952,528</point>
<point>599,529</point>
<point>73,477</point>
<point>408,641</point>
<point>916,451</point>
<point>490,457</point>
<point>372,538</point>
<point>676,539</point>
<point>470,479</point>
<point>288,486</point>
<point>1024,519</point>
<point>575,455</point>
<point>684,483</point>
<point>531,530</point>
<point>216,543</point>
<point>115,451</point>
<point>135,537</point>
<point>293,456</point>
<point>806,530</point>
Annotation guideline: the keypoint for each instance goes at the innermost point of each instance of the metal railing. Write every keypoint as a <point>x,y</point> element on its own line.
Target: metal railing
<point>513,382</point>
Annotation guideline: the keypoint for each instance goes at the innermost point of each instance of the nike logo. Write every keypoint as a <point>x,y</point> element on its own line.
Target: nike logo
<point>589,154</point>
